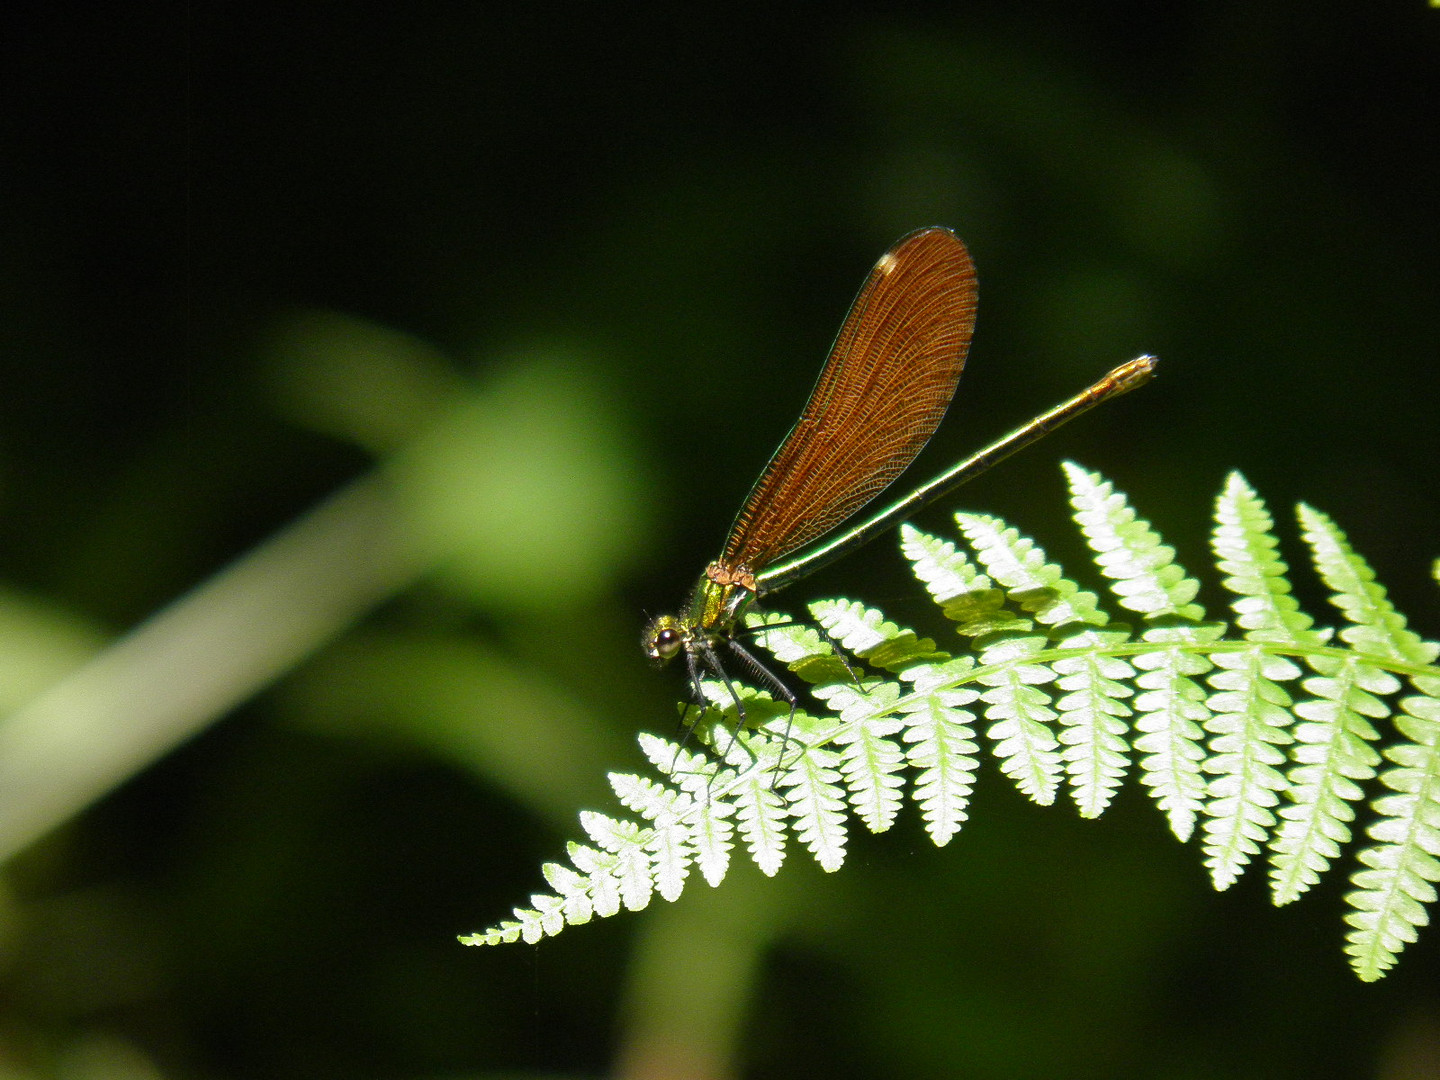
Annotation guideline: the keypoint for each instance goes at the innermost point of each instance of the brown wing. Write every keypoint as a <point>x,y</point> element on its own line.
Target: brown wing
<point>891,373</point>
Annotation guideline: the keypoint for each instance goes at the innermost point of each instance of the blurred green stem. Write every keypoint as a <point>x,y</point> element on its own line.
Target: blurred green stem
<point>192,662</point>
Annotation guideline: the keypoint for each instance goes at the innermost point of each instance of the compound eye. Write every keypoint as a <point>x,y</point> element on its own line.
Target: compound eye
<point>664,638</point>
<point>667,643</point>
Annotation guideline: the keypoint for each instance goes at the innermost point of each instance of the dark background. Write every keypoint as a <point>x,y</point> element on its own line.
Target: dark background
<point>626,235</point>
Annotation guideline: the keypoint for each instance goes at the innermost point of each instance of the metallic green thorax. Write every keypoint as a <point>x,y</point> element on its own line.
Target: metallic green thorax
<point>720,600</point>
<point>716,606</point>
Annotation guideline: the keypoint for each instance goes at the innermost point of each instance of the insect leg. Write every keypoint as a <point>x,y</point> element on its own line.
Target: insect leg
<point>776,684</point>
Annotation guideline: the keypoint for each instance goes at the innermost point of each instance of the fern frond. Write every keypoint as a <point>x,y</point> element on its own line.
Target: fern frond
<point>1333,758</point>
<point>965,595</point>
<point>799,646</point>
<point>870,759</point>
<point>816,803</point>
<point>1172,713</point>
<point>1246,552</point>
<point>1376,627</point>
<point>941,735</point>
<point>1390,895</point>
<point>943,568</point>
<point>669,844</point>
<point>1024,742</point>
<point>1267,732</point>
<point>1250,720</point>
<point>760,813</point>
<point>1333,753</point>
<point>864,632</point>
<point>1092,708</point>
<point>1143,572</point>
<point>1018,563</point>
<point>1146,579</point>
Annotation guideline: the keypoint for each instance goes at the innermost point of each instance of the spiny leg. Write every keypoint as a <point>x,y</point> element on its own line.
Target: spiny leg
<point>769,676</point>
<point>835,647</point>
<point>840,655</point>
<point>697,694</point>
<point>712,660</point>
<point>778,686</point>
<point>703,654</point>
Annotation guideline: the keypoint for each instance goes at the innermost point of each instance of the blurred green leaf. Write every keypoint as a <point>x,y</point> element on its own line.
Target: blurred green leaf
<point>529,493</point>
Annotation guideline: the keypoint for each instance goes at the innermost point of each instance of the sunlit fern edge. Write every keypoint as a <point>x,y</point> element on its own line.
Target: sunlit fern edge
<point>1264,730</point>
